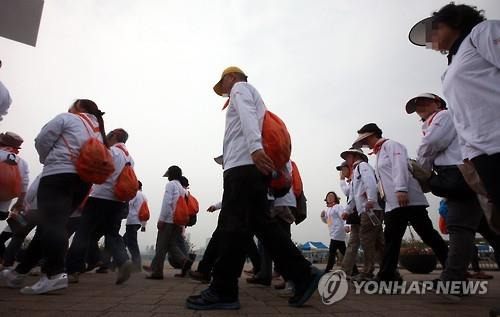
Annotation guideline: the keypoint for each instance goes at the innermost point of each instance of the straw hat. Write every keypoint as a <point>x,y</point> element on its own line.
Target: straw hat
<point>354,151</point>
<point>229,70</point>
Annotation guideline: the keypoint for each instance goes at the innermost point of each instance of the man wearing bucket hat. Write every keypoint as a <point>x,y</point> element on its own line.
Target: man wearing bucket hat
<point>10,144</point>
<point>470,84</point>
<point>363,197</point>
<point>404,201</point>
<point>245,205</point>
<point>439,151</point>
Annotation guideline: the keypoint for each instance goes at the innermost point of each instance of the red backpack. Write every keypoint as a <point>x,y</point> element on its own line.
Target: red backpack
<point>10,178</point>
<point>144,212</point>
<point>186,208</point>
<point>126,186</point>
<point>297,185</point>
<point>95,163</point>
<point>276,140</point>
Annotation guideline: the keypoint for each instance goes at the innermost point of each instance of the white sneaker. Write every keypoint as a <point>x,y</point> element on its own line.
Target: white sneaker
<point>12,278</point>
<point>45,285</point>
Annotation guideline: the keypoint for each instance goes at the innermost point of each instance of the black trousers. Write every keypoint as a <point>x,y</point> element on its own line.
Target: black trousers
<point>488,168</point>
<point>211,255</point>
<point>396,222</point>
<point>4,236</point>
<point>130,239</point>
<point>99,216</point>
<point>266,270</point>
<point>244,213</point>
<point>58,196</point>
<point>334,246</point>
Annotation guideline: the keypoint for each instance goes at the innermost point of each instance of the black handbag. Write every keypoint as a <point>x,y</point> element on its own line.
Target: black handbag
<point>448,181</point>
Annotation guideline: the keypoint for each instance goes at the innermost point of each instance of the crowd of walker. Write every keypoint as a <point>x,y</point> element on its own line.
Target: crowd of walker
<point>88,186</point>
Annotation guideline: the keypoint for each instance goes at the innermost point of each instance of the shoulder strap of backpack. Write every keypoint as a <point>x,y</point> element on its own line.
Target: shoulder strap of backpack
<point>88,124</point>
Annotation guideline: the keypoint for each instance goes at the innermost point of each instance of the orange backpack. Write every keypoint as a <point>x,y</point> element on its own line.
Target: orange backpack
<point>296,181</point>
<point>144,212</point>
<point>95,163</point>
<point>126,186</point>
<point>10,178</point>
<point>186,208</point>
<point>276,140</point>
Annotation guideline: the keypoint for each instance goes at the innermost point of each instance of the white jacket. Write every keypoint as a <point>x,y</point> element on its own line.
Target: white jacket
<point>471,86</point>
<point>439,146</point>
<point>52,150</point>
<point>106,190</point>
<point>394,176</point>
<point>134,207</point>
<point>336,225</point>
<point>23,171</point>
<point>243,133</point>
<point>345,187</point>
<point>363,188</point>
<point>5,100</point>
<point>173,190</point>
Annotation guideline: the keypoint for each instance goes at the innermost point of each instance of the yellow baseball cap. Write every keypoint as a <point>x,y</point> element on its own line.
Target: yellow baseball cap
<point>229,70</point>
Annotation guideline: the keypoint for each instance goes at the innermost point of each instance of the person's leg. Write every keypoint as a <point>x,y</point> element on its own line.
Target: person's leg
<point>85,239</point>
<point>4,236</point>
<point>15,245</point>
<point>73,225</point>
<point>264,275</point>
<point>492,238</point>
<point>395,227</point>
<point>162,241</point>
<point>130,239</point>
<point>253,254</point>
<point>488,170</point>
<point>462,222</point>
<point>474,262</point>
<point>111,226</point>
<point>349,261</point>
<point>210,255</point>
<point>32,255</point>
<point>331,256</point>
<point>368,237</point>
<point>420,221</point>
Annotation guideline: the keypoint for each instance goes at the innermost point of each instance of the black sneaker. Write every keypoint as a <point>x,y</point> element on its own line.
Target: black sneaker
<point>208,300</point>
<point>305,290</point>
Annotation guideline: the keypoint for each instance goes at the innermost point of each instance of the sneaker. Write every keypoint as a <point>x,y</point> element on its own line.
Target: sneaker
<point>208,299</point>
<point>12,278</point>
<point>147,268</point>
<point>45,285</point>
<point>287,292</point>
<point>186,267</point>
<point>73,278</point>
<point>124,272</point>
<point>102,270</point>
<point>304,291</point>
<point>258,281</point>
<point>154,277</point>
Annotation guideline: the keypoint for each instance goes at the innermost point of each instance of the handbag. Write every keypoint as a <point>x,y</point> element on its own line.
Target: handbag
<point>420,174</point>
<point>448,181</point>
<point>300,213</point>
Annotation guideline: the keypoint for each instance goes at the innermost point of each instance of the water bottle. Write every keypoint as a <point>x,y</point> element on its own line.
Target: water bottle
<point>373,217</point>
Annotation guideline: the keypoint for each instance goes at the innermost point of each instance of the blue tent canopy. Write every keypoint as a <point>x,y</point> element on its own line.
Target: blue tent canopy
<point>312,245</point>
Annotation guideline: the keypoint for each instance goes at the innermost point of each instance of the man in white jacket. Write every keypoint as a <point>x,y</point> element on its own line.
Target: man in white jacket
<point>363,197</point>
<point>404,200</point>
<point>439,151</point>
<point>247,172</point>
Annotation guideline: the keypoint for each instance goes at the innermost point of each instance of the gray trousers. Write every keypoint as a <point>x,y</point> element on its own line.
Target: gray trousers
<point>462,222</point>
<point>352,250</point>
<point>166,241</point>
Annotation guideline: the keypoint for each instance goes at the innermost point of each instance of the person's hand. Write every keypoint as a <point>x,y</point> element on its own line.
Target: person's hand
<point>323,214</point>
<point>18,206</point>
<point>347,229</point>
<point>211,209</point>
<point>263,163</point>
<point>143,229</point>
<point>345,215</point>
<point>161,225</point>
<point>402,198</point>
<point>369,205</point>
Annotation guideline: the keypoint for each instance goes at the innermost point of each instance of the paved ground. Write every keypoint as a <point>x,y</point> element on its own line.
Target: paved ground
<point>96,295</point>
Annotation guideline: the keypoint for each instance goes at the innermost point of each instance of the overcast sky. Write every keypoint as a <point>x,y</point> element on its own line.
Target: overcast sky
<point>325,67</point>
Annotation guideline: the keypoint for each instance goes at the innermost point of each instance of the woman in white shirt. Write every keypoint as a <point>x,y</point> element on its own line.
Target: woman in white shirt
<point>332,216</point>
<point>470,84</point>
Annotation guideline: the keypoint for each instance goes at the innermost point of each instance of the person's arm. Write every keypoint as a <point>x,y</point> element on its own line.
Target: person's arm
<point>25,179</point>
<point>486,38</point>
<point>48,136</point>
<point>400,172</point>
<point>167,207</point>
<point>246,108</point>
<point>369,180</point>
<point>437,138</point>
<point>344,186</point>
<point>5,100</point>
<point>324,216</point>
